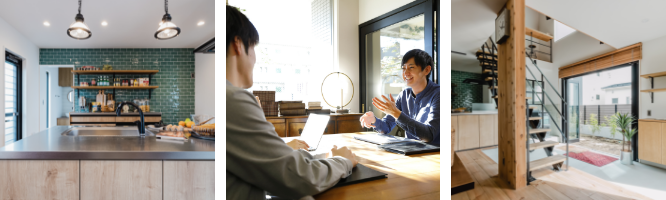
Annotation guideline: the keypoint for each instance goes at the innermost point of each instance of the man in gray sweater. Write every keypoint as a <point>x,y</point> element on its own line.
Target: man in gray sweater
<point>258,161</point>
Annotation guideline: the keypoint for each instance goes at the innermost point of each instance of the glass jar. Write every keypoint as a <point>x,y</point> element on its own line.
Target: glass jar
<point>136,102</point>
<point>146,105</point>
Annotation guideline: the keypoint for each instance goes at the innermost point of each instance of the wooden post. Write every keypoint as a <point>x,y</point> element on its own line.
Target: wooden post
<point>512,104</point>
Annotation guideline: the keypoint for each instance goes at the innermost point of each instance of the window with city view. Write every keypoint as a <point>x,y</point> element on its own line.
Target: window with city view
<point>293,60</point>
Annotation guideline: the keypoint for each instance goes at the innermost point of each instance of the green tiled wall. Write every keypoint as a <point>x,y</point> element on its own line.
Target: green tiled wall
<point>175,96</point>
<point>467,93</point>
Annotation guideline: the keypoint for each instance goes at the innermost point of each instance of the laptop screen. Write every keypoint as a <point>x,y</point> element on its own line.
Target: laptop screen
<point>314,129</point>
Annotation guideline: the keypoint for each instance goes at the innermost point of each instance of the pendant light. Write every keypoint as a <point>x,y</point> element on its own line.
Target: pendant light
<point>167,29</point>
<point>79,30</point>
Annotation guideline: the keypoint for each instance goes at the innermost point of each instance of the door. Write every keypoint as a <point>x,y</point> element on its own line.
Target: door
<point>12,98</point>
<point>573,108</point>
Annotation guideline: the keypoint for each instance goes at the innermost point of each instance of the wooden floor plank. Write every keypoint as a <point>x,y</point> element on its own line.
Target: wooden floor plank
<point>550,184</point>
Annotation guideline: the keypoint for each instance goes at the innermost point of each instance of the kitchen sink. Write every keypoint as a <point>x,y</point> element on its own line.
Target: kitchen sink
<point>104,132</point>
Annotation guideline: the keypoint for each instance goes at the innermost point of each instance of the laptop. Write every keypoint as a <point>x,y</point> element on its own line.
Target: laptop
<point>361,174</point>
<point>314,129</point>
<point>409,148</point>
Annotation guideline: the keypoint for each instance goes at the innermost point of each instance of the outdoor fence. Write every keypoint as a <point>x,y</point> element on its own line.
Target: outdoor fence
<point>601,112</point>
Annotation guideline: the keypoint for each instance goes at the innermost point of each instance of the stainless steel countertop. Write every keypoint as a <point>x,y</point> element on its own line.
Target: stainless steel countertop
<point>113,114</point>
<point>51,145</point>
<point>490,112</point>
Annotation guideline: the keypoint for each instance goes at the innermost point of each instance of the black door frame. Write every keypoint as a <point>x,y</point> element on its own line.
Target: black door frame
<point>18,62</point>
<point>566,110</point>
<point>635,73</point>
<point>418,7</point>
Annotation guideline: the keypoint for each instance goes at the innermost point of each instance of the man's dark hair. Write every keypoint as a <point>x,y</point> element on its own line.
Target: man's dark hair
<point>239,25</point>
<point>421,58</point>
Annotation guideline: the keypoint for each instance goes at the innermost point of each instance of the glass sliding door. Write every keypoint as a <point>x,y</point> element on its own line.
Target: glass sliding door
<point>574,111</point>
<point>12,98</point>
<point>385,40</point>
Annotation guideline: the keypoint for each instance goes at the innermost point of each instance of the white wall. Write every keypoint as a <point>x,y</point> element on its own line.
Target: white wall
<point>369,9</point>
<point>15,42</point>
<point>204,89</point>
<point>652,62</point>
<point>346,60</point>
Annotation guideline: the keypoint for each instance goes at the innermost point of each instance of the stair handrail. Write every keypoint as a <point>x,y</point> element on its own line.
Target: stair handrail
<point>558,111</point>
<point>551,85</point>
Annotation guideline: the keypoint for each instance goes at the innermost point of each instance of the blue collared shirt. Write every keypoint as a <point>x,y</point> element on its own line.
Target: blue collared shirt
<point>419,117</point>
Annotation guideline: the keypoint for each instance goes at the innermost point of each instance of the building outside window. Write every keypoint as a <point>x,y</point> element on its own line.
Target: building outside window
<point>293,60</point>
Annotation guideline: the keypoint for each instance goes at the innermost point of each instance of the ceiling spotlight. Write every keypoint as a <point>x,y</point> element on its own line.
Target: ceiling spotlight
<point>47,24</point>
<point>79,30</point>
<point>201,23</point>
<point>167,29</point>
<point>104,23</point>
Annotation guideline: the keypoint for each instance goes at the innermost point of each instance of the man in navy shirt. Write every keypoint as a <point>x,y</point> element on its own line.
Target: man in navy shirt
<point>416,109</point>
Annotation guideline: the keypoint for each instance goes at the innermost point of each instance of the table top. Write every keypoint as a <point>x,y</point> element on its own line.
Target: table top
<point>408,176</point>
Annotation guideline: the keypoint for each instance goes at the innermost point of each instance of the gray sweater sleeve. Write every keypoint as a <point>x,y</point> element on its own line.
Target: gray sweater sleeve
<point>259,157</point>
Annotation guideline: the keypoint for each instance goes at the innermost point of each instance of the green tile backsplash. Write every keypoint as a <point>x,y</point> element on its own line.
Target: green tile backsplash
<point>467,93</point>
<point>175,96</point>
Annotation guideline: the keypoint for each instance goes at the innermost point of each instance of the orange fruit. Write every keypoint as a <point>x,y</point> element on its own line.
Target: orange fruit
<point>181,123</point>
<point>190,124</point>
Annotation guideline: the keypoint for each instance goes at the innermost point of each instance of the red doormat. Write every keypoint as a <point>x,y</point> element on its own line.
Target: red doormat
<point>595,159</point>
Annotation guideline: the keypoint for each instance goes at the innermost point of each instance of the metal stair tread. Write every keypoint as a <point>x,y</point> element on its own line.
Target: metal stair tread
<point>536,130</point>
<point>547,161</point>
<point>541,145</point>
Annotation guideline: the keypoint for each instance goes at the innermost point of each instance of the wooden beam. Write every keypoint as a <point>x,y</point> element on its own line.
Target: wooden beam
<point>538,34</point>
<point>640,44</point>
<point>512,104</point>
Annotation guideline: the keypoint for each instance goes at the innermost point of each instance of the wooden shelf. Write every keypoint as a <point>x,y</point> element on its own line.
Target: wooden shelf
<point>653,75</point>
<point>115,72</point>
<point>538,34</point>
<point>114,87</point>
<point>654,90</point>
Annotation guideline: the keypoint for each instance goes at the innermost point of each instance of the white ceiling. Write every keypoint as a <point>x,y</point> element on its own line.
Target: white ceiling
<point>472,22</point>
<point>131,23</point>
<point>618,23</point>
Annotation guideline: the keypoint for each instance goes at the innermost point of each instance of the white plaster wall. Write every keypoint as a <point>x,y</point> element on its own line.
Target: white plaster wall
<point>369,9</point>
<point>55,101</point>
<point>346,49</point>
<point>652,62</point>
<point>204,87</point>
<point>15,42</point>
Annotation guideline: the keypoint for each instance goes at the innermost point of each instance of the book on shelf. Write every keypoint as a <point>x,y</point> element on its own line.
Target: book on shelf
<point>314,103</point>
<point>291,101</point>
<point>291,106</point>
<point>319,111</point>
<point>292,112</point>
<point>314,107</point>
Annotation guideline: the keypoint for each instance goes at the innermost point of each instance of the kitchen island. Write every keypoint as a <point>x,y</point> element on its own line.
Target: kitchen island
<point>54,165</point>
<point>477,129</point>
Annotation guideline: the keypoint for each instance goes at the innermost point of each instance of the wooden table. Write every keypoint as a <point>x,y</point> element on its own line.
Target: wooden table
<point>409,177</point>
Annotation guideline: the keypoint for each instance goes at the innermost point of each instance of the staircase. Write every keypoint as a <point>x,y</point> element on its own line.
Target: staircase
<point>538,114</point>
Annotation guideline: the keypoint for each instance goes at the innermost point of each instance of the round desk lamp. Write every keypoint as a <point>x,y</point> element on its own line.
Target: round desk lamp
<point>334,82</point>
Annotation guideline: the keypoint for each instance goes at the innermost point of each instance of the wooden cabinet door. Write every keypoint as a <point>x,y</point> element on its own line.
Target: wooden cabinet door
<point>121,180</point>
<point>348,124</point>
<point>486,130</point>
<point>495,130</point>
<point>454,126</point>
<point>469,131</point>
<point>65,77</point>
<point>280,126</point>
<point>189,180</point>
<point>295,126</point>
<point>330,128</point>
<point>39,179</point>
<point>649,143</point>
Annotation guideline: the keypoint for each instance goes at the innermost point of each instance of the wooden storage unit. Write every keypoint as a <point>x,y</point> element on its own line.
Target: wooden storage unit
<point>39,179</point>
<point>469,131</point>
<point>189,180</point>
<point>103,119</point>
<point>291,126</point>
<point>474,131</point>
<point>111,179</point>
<point>64,77</point>
<point>650,142</point>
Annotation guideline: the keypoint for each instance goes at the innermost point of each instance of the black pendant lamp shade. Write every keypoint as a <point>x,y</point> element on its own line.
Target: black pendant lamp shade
<point>167,29</point>
<point>79,30</point>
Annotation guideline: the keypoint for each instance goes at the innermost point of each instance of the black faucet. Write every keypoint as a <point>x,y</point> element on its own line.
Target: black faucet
<point>142,123</point>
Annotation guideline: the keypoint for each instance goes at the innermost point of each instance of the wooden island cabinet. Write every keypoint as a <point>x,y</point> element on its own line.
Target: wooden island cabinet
<point>474,131</point>
<point>292,126</point>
